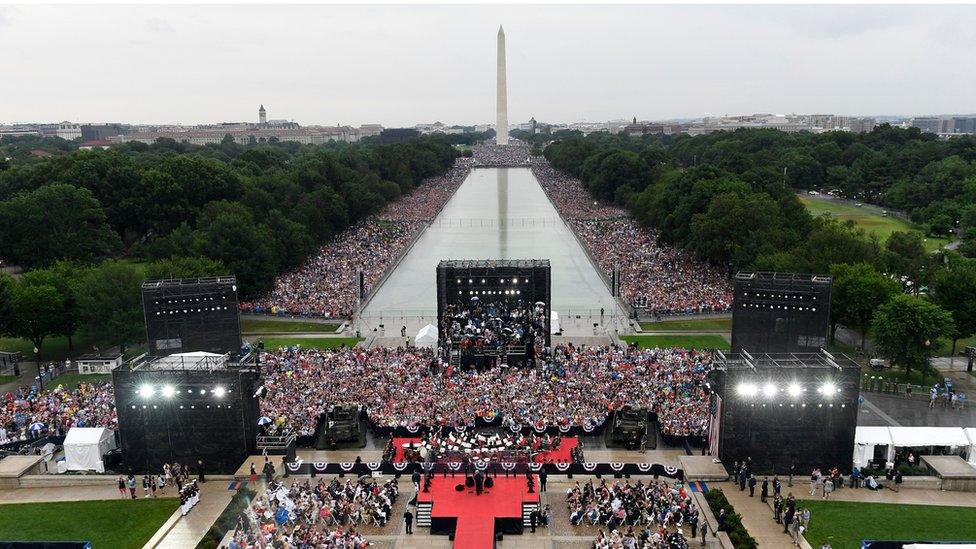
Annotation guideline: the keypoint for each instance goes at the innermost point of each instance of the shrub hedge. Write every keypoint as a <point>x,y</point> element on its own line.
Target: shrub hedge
<point>732,524</point>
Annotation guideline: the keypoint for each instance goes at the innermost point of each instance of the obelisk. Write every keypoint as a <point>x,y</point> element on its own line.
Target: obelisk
<point>501,123</point>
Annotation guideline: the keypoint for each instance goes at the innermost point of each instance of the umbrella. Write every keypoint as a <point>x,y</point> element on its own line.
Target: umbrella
<point>540,302</point>
<point>36,426</point>
<point>475,298</point>
<point>264,420</point>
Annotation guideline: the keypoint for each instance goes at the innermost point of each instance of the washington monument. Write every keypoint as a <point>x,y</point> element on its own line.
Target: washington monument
<point>501,124</point>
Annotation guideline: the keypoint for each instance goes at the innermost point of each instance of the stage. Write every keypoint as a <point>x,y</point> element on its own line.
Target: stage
<point>561,455</point>
<point>475,519</point>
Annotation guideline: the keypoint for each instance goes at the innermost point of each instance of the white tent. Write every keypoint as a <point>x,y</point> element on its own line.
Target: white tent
<point>85,446</point>
<point>928,436</point>
<point>426,337</point>
<point>866,438</point>
<point>971,435</point>
<point>554,327</point>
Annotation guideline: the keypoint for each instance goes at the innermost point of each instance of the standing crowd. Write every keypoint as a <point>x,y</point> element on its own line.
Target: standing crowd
<point>30,413</point>
<point>410,387</point>
<point>328,285</point>
<point>656,277</point>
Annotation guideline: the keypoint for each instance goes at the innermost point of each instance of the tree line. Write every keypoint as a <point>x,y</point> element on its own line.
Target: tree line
<point>89,227</point>
<point>259,210</point>
<point>731,198</point>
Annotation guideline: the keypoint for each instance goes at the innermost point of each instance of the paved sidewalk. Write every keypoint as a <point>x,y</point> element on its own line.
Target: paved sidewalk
<point>60,493</point>
<point>189,530</point>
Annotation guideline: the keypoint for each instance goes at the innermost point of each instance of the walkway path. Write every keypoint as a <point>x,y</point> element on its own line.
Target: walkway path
<point>189,530</point>
<point>757,516</point>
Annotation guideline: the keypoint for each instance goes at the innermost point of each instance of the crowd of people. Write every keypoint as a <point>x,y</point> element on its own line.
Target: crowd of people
<point>328,285</point>
<point>655,277</point>
<point>492,155</point>
<point>478,326</point>
<point>574,386</point>
<point>321,515</point>
<point>636,516</point>
<point>31,413</point>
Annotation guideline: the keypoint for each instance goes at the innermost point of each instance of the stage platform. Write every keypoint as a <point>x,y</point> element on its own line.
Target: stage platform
<point>702,468</point>
<point>474,519</point>
<point>12,468</point>
<point>258,460</point>
<point>955,472</point>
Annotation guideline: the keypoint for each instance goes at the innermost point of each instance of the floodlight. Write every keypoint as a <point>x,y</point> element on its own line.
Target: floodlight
<point>747,389</point>
<point>828,389</point>
<point>769,390</point>
<point>219,391</point>
<point>794,390</point>
<point>169,391</point>
<point>146,391</point>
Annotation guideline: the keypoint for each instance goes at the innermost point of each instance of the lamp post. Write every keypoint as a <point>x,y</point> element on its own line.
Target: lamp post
<point>40,376</point>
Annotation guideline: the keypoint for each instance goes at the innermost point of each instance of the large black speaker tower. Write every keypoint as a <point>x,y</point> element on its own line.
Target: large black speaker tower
<point>785,409</point>
<point>780,312</point>
<point>186,315</point>
<point>185,408</point>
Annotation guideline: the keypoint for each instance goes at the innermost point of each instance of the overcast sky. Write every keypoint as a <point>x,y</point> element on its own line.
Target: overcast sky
<point>402,65</point>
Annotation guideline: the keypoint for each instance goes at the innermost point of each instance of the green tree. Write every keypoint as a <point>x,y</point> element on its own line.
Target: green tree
<point>184,267</point>
<point>858,291</point>
<point>111,303</point>
<point>63,278</point>
<point>55,222</point>
<point>906,329</point>
<point>905,256</point>
<point>7,283</point>
<point>227,232</point>
<point>737,228</point>
<point>34,313</point>
<point>954,289</point>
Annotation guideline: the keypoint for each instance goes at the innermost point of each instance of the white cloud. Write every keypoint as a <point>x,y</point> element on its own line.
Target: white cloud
<point>399,65</point>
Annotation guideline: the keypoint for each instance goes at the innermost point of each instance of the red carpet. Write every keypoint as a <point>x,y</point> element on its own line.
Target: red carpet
<point>398,446</point>
<point>562,455</point>
<point>476,514</point>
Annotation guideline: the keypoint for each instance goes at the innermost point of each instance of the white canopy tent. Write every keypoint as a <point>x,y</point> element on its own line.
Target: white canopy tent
<point>928,436</point>
<point>426,337</point>
<point>971,435</point>
<point>554,327</point>
<point>866,438</point>
<point>85,446</point>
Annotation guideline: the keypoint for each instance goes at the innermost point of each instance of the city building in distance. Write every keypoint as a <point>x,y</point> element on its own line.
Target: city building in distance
<point>243,133</point>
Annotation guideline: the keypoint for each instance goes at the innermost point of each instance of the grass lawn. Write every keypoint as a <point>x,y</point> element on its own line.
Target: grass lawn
<point>945,346</point>
<point>898,375</point>
<point>845,524</point>
<point>54,348</point>
<point>72,380</point>
<point>105,523</point>
<point>690,325</point>
<point>268,326</point>
<point>309,342</point>
<point>7,379</point>
<point>687,341</point>
<point>868,218</point>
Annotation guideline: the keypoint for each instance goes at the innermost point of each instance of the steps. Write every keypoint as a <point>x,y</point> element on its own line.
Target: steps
<point>527,508</point>
<point>423,513</point>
